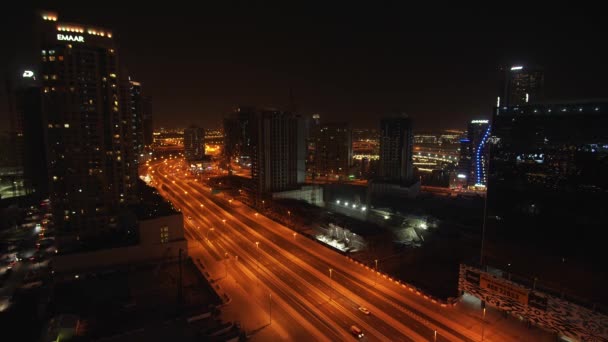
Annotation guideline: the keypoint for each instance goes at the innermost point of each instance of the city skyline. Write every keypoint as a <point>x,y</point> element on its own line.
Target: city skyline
<point>317,188</point>
<point>354,68</point>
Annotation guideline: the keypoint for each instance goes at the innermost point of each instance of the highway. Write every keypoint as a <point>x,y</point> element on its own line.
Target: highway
<point>296,270</point>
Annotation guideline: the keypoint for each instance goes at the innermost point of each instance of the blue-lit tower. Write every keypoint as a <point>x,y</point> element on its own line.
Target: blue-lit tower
<point>473,164</point>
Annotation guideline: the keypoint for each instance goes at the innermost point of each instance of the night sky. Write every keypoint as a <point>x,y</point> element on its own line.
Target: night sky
<point>346,63</point>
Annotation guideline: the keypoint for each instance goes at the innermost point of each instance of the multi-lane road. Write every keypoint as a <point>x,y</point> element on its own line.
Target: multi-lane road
<point>315,289</point>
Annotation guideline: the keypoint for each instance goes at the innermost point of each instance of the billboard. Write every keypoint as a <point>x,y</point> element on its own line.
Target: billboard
<point>541,309</point>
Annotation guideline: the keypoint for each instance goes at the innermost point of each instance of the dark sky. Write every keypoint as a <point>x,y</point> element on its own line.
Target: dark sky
<point>345,62</point>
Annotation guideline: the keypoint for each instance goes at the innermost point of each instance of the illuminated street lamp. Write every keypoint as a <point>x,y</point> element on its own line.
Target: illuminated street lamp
<point>483,325</point>
<point>257,244</point>
<point>330,285</point>
<point>270,307</point>
<point>376,277</point>
<point>225,264</point>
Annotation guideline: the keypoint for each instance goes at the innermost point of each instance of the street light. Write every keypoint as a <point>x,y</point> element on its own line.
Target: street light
<point>330,280</point>
<point>376,278</point>
<point>483,325</point>
<point>209,231</point>
<point>270,307</point>
<point>257,244</point>
<point>225,264</point>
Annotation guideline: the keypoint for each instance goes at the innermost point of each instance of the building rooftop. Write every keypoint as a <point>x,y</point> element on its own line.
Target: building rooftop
<point>152,205</point>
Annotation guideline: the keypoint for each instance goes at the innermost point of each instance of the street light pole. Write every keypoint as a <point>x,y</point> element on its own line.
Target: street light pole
<point>483,325</point>
<point>330,281</point>
<point>376,277</point>
<point>270,307</point>
<point>257,244</point>
<point>226,265</point>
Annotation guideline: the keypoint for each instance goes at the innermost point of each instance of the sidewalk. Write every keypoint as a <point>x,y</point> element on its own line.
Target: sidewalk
<point>498,326</point>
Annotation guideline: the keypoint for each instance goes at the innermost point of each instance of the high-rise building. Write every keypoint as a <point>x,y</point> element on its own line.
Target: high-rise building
<point>87,124</point>
<point>279,151</point>
<point>13,181</point>
<point>547,192</point>
<point>137,116</point>
<point>148,123</point>
<point>396,144</point>
<point>333,150</point>
<point>522,85</point>
<point>473,162</point>
<point>238,131</point>
<point>194,143</point>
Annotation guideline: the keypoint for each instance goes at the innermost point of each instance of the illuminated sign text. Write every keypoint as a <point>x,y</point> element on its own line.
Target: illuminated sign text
<point>70,38</point>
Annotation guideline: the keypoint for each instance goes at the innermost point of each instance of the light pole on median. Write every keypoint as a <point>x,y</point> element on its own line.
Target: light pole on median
<point>435,336</point>
<point>209,231</point>
<point>270,307</point>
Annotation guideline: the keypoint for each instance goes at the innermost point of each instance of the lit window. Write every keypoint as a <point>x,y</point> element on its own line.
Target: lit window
<point>43,59</point>
<point>46,77</point>
<point>51,58</point>
<point>54,77</point>
<point>60,58</point>
<point>67,125</point>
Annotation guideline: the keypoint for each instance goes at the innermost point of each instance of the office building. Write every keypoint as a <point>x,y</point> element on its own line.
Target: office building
<point>333,150</point>
<point>396,143</point>
<point>547,194</point>
<point>238,131</point>
<point>473,162</point>
<point>279,151</point>
<point>521,85</point>
<point>87,124</point>
<point>194,143</point>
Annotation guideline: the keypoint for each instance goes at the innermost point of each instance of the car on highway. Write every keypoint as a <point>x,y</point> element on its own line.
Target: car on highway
<point>356,331</point>
<point>364,310</point>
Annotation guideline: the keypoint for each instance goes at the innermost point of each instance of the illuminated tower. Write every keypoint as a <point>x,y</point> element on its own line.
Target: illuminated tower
<point>473,161</point>
<point>396,143</point>
<point>88,125</point>
<point>522,85</point>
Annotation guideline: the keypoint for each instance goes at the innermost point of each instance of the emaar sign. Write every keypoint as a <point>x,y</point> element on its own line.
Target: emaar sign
<point>70,38</point>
